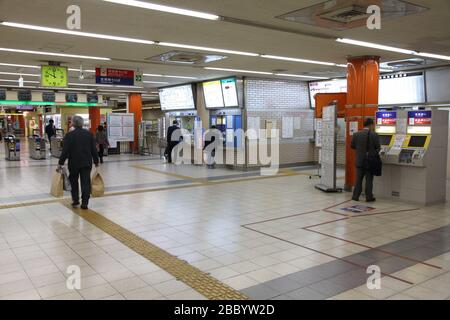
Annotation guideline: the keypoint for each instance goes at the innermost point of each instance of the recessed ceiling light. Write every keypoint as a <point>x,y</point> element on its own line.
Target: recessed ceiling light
<point>374,46</point>
<point>298,76</point>
<point>238,70</point>
<point>297,60</point>
<point>75,33</point>
<point>56,54</point>
<point>187,46</point>
<point>157,7</point>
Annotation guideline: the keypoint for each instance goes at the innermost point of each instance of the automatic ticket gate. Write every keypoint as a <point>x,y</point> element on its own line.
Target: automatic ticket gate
<point>56,143</point>
<point>12,147</point>
<point>36,145</point>
<point>414,155</point>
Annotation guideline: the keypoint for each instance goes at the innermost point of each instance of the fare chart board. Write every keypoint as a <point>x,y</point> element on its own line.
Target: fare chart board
<point>177,98</point>
<point>328,151</point>
<point>120,128</point>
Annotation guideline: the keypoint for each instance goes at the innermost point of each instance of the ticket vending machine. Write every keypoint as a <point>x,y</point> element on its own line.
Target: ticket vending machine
<point>415,160</point>
<point>386,127</point>
<point>227,122</point>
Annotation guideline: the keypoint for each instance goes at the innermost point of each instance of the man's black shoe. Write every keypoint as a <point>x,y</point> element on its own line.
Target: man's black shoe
<point>84,206</point>
<point>371,200</point>
<point>355,199</point>
<point>75,204</point>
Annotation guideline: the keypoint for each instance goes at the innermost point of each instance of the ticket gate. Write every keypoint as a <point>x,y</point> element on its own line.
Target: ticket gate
<point>56,143</point>
<point>12,148</point>
<point>36,146</point>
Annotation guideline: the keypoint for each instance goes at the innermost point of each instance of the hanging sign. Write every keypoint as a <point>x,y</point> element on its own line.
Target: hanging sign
<point>114,76</point>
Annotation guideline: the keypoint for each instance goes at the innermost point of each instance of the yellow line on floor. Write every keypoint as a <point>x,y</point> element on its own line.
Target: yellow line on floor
<point>198,280</point>
<point>171,174</point>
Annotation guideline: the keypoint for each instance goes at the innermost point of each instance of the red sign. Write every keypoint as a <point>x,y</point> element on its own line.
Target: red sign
<point>388,121</point>
<point>422,121</point>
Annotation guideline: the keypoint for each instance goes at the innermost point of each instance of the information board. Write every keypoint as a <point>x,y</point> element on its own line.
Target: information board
<point>120,128</point>
<point>328,154</point>
<point>177,98</point>
<point>221,94</point>
<point>114,76</point>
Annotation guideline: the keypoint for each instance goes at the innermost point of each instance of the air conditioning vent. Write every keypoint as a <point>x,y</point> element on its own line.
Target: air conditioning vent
<point>186,57</point>
<point>406,63</point>
<point>346,15</point>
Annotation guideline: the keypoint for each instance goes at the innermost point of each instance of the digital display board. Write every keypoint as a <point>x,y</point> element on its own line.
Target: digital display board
<point>48,96</point>
<point>330,86</point>
<point>177,98</point>
<point>221,93</point>
<point>92,98</point>
<point>24,95</point>
<point>71,97</point>
<point>2,94</point>
<point>212,91</point>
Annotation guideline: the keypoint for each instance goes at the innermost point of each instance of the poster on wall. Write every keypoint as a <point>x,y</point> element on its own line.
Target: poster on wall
<point>288,128</point>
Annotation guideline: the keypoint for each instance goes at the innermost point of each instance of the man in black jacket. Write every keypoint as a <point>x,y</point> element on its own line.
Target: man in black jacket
<point>79,148</point>
<point>50,131</point>
<point>366,143</point>
<point>171,144</point>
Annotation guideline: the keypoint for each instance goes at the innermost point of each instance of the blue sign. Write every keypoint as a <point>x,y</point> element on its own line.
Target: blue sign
<point>419,114</point>
<point>387,114</point>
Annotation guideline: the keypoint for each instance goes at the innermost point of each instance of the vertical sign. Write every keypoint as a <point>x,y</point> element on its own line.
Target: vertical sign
<point>328,154</point>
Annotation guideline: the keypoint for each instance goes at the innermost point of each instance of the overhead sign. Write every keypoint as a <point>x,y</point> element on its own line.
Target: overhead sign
<point>221,93</point>
<point>48,96</point>
<point>2,94</point>
<point>24,95</point>
<point>71,97</point>
<point>114,76</point>
<point>177,98</point>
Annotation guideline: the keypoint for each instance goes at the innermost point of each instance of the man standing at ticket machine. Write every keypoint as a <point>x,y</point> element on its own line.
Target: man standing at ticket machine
<point>366,143</point>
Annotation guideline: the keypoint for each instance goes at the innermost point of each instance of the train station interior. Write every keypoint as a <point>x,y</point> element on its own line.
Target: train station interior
<point>286,87</point>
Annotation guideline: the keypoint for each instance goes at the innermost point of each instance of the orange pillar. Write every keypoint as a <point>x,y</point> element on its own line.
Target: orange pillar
<point>362,100</point>
<point>135,106</point>
<point>94,117</point>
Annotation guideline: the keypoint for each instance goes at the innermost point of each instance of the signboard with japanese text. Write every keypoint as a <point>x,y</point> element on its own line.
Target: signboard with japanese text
<point>114,76</point>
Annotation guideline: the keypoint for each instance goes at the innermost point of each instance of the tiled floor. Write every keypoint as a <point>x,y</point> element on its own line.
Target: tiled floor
<point>270,238</point>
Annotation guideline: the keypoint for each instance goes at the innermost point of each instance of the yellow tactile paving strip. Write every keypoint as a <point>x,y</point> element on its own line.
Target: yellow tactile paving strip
<point>198,280</point>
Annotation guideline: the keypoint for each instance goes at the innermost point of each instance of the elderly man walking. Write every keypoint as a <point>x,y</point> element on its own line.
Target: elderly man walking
<point>79,147</point>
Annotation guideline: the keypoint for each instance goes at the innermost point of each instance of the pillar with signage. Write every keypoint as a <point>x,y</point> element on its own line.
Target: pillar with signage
<point>362,102</point>
<point>134,106</point>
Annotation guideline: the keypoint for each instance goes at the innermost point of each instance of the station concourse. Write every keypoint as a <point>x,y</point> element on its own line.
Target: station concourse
<point>268,214</point>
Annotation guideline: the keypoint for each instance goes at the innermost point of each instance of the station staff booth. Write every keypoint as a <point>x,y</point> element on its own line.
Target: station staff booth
<point>414,153</point>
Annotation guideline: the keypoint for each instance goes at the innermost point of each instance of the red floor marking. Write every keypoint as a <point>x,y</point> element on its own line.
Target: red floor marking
<point>326,254</point>
<point>280,218</point>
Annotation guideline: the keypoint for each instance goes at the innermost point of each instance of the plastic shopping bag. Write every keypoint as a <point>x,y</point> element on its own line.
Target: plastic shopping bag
<point>57,188</point>
<point>67,186</point>
<point>97,185</point>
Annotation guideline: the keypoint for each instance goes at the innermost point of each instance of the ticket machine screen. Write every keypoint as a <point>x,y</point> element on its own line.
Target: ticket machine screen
<point>385,140</point>
<point>417,141</point>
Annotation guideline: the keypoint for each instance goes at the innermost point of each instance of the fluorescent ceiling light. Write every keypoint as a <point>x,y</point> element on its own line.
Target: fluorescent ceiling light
<point>386,70</point>
<point>20,74</point>
<point>44,53</point>
<point>187,46</point>
<point>297,60</point>
<point>75,33</point>
<point>374,46</point>
<point>432,55</point>
<point>155,82</point>
<point>238,70</point>
<point>298,76</point>
<point>341,65</point>
<point>19,65</point>
<point>157,7</point>
<point>25,81</point>
<point>166,76</point>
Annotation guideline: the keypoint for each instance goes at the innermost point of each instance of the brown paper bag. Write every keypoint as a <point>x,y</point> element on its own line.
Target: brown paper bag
<point>57,189</point>
<point>97,185</point>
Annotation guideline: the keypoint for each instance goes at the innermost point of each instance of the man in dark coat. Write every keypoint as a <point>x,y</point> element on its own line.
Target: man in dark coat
<point>171,144</point>
<point>79,148</point>
<point>50,131</point>
<point>366,143</point>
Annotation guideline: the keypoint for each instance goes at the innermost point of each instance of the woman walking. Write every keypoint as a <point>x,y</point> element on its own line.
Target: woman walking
<point>102,141</point>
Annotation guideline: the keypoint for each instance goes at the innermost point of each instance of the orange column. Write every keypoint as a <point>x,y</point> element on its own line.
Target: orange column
<point>135,106</point>
<point>362,100</point>
<point>94,117</point>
